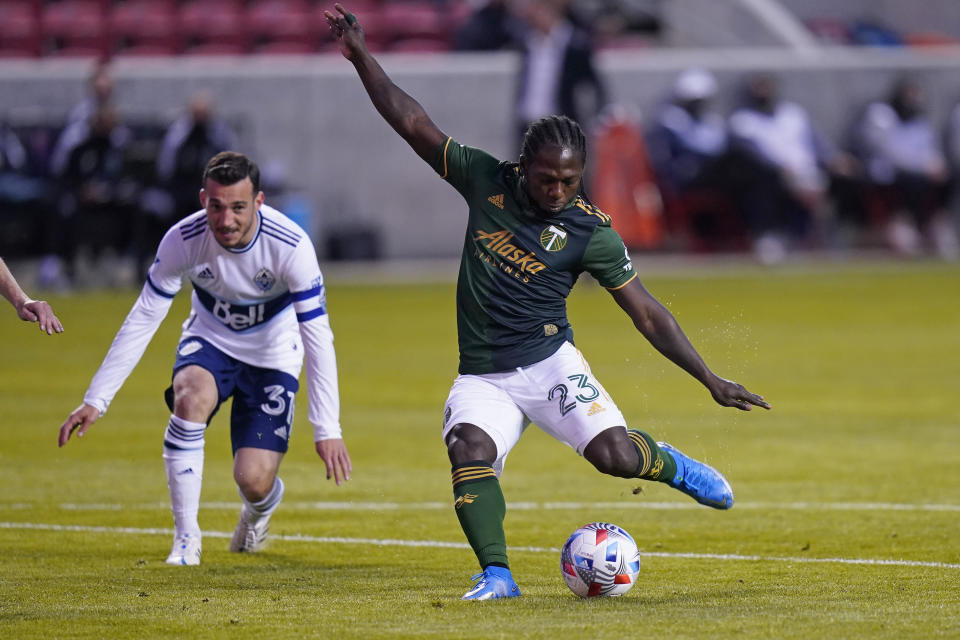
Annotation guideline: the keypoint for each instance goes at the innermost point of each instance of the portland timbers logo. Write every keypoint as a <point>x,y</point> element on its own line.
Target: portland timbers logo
<point>264,279</point>
<point>553,238</point>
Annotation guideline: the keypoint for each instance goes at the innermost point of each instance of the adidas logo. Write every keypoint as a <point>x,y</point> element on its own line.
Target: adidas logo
<point>188,470</point>
<point>595,408</point>
<point>497,200</point>
<point>280,432</point>
<point>205,274</point>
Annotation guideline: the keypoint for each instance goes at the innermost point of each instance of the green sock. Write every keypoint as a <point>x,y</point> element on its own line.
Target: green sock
<point>481,509</point>
<point>655,463</point>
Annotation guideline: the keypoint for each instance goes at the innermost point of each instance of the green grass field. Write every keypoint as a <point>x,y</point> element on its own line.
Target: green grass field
<point>847,523</point>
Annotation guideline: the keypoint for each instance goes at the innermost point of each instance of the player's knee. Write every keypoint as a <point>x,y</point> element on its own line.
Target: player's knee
<point>254,486</point>
<point>612,455</point>
<point>192,406</point>
<point>467,442</point>
<point>194,394</point>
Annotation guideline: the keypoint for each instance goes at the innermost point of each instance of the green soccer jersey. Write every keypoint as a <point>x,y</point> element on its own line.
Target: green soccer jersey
<point>517,267</point>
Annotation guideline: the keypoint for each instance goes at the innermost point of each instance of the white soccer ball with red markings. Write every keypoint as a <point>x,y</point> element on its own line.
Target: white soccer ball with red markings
<point>600,559</point>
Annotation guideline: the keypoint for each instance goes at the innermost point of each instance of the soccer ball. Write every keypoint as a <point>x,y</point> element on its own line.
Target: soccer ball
<point>599,559</point>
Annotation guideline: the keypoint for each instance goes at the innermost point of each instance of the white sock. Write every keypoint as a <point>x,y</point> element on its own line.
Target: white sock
<point>183,458</point>
<point>263,509</point>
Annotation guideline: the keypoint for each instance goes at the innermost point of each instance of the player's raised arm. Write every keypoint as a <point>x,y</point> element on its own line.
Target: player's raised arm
<point>401,112</point>
<point>661,329</point>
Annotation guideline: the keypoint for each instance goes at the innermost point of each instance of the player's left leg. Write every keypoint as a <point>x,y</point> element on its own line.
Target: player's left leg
<point>260,424</point>
<point>564,399</point>
<point>255,471</point>
<point>610,452</point>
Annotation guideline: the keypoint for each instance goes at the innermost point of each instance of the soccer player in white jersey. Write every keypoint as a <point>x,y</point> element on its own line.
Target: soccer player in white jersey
<point>258,307</point>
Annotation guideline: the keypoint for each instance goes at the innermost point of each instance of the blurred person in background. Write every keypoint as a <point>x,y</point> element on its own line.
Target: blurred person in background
<point>188,144</point>
<point>96,205</point>
<point>28,309</point>
<point>953,157</point>
<point>906,164</point>
<point>783,168</point>
<point>491,26</point>
<point>687,143</point>
<point>557,73</point>
<point>100,87</point>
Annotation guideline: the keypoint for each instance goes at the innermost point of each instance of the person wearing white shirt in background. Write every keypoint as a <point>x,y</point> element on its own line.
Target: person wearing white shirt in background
<point>258,307</point>
<point>905,160</point>
<point>787,169</point>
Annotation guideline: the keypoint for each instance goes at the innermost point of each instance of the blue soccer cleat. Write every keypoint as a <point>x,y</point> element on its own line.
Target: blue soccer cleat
<point>495,582</point>
<point>700,481</point>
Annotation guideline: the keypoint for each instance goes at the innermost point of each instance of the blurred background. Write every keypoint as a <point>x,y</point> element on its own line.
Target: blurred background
<point>774,130</point>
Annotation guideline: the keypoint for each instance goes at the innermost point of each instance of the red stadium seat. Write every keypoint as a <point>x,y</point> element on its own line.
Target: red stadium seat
<point>19,29</point>
<point>212,25</point>
<point>281,23</point>
<point>420,45</point>
<point>406,20</point>
<point>74,27</point>
<point>216,49</point>
<point>140,26</point>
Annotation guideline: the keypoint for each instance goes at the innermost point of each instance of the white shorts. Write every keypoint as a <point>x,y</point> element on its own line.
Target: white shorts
<point>558,393</point>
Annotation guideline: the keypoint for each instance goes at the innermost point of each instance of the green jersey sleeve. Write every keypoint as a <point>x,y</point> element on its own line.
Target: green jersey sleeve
<point>461,165</point>
<point>606,258</point>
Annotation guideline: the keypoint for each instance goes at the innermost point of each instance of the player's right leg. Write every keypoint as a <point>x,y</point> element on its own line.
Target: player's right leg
<point>195,397</point>
<point>260,425</point>
<point>261,490</point>
<point>481,426</point>
<point>634,454</point>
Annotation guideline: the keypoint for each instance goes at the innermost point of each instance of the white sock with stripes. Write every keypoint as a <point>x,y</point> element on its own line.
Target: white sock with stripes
<point>183,458</point>
<point>259,510</point>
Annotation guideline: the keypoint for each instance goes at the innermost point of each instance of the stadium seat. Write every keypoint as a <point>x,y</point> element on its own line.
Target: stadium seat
<point>144,27</point>
<point>419,45</point>
<point>281,26</point>
<point>19,29</point>
<point>409,20</point>
<point>74,28</point>
<point>212,27</point>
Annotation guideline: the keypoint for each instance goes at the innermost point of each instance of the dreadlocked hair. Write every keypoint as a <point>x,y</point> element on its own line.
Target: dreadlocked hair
<point>560,131</point>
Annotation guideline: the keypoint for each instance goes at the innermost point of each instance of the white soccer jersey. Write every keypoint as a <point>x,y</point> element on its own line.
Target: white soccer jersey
<point>263,304</point>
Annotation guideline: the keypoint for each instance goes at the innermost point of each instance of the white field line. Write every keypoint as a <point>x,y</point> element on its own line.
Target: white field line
<point>439,544</point>
<point>517,506</point>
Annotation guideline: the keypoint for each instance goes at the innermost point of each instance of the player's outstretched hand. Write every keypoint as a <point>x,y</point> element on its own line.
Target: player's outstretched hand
<point>728,393</point>
<point>80,420</point>
<point>39,311</point>
<point>347,30</point>
<point>335,456</point>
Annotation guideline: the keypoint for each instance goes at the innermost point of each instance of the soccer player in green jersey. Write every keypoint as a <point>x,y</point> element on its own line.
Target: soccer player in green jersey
<point>530,233</point>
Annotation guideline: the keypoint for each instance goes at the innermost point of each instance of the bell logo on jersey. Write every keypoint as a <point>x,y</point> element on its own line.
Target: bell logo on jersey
<point>553,238</point>
<point>264,279</point>
<point>237,321</point>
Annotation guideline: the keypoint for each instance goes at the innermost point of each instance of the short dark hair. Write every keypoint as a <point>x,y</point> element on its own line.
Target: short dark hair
<point>556,130</point>
<point>230,167</point>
